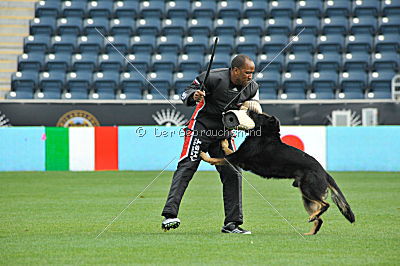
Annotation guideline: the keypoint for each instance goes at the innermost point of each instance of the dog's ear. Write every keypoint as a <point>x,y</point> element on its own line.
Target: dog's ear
<point>275,123</point>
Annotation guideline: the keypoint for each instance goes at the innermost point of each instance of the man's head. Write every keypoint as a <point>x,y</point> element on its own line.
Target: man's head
<point>242,69</point>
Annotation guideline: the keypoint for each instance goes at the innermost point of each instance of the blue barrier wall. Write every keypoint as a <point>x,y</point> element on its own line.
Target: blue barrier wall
<point>22,149</point>
<point>363,148</point>
<point>152,148</point>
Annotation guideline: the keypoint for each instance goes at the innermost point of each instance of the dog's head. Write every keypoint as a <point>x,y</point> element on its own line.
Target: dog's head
<point>268,124</point>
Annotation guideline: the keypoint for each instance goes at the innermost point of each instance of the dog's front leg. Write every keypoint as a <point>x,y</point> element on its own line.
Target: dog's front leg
<point>213,161</point>
<point>225,147</point>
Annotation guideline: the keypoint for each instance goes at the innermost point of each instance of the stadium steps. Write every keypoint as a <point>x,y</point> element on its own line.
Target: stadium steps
<point>14,26</point>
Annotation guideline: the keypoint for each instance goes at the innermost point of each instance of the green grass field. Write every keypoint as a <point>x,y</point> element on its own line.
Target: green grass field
<point>54,218</point>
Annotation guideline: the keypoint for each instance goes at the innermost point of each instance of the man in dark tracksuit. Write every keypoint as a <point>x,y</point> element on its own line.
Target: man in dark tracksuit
<point>225,89</point>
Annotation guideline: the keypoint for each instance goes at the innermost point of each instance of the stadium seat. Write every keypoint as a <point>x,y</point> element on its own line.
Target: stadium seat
<point>165,61</point>
<point>229,9</point>
<point>37,43</point>
<point>285,8</point>
<point>363,25</point>
<point>279,25</point>
<point>353,83</point>
<point>327,61</point>
<point>47,8</point>
<point>337,24</point>
<point>110,62</point>
<point>221,60</point>
<point>148,26</point>
<point>73,8</point>
<point>295,83</point>
<point>273,43</point>
<point>389,24</point>
<point>105,83</point>
<point>70,26</point>
<point>190,62</point>
<point>139,62</point>
<point>159,84</point>
<point>299,60</point>
<point>33,61</point>
<point>178,9</point>
<point>126,8</point>
<point>226,42</point>
<point>324,83</point>
<point>24,81</point>
<point>269,81</point>
<point>359,42</point>
<point>267,94</point>
<point>91,43</point>
<point>331,42</point>
<point>84,62</point>
<point>59,61</point>
<point>153,8</point>
<point>252,26</point>
<point>387,42</point>
<point>385,59</point>
<point>380,81</point>
<point>63,43</point>
<point>132,84</point>
<point>169,43</point>
<point>309,8</point>
<point>52,81</point>
<point>19,94</point>
<point>204,9</point>
<point>268,61</point>
<point>366,7</point>
<point>200,26</point>
<point>42,25</point>
<point>306,24</point>
<point>122,26</point>
<point>356,59</point>
<point>95,24</point>
<point>79,83</point>
<point>195,44</point>
<point>174,25</point>
<point>255,8</point>
<point>248,44</point>
<point>305,42</point>
<point>118,43</point>
<point>390,8</point>
<point>225,26</point>
<point>183,79</point>
<point>338,8</point>
<point>99,8</point>
<point>143,43</point>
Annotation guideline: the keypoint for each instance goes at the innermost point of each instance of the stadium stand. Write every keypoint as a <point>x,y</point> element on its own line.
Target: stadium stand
<point>111,49</point>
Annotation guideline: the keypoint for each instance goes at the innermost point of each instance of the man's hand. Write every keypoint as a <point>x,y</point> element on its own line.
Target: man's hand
<point>198,95</point>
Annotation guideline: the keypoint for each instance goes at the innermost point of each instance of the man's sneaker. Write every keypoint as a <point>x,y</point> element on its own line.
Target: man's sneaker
<point>234,228</point>
<point>170,223</point>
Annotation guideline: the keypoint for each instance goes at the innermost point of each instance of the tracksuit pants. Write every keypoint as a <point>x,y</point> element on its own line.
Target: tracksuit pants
<point>231,179</point>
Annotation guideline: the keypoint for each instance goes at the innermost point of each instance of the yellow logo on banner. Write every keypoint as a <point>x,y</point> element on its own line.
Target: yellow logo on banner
<point>78,118</point>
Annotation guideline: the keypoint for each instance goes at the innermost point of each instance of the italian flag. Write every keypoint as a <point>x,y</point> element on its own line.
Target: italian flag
<point>81,148</point>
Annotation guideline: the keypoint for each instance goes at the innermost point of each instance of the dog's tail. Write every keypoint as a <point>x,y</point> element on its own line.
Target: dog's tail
<point>340,200</point>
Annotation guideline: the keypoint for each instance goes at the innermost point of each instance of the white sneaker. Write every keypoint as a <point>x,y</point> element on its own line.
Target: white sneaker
<point>170,223</point>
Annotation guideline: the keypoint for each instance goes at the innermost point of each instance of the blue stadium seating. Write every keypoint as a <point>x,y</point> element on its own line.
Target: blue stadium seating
<point>69,25</point>
<point>229,9</point>
<point>31,61</point>
<point>73,8</point>
<point>59,61</point>
<point>345,49</point>
<point>183,79</point>
<point>126,8</point>
<point>178,9</point>
<point>84,62</point>
<point>99,8</point>
<point>47,8</point>
<point>190,62</point>
<point>255,8</point>
<point>122,26</point>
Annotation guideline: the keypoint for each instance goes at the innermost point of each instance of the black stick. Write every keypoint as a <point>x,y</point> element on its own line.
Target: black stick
<point>209,64</point>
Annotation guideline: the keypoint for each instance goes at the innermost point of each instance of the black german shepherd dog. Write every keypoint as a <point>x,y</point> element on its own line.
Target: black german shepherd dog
<point>268,157</point>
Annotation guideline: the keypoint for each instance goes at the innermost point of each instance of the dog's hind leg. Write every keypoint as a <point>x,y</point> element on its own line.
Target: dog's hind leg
<point>312,207</point>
